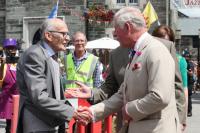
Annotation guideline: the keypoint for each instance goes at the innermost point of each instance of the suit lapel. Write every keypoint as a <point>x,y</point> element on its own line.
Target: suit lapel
<point>49,62</point>
<point>135,59</point>
<point>142,46</point>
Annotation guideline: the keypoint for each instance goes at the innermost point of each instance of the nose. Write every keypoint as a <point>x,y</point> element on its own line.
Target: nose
<point>67,38</point>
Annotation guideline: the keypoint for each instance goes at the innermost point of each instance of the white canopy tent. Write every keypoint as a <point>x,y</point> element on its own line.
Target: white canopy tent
<point>102,43</point>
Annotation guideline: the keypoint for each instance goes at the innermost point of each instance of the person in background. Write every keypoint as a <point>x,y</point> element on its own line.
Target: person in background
<point>8,84</point>
<point>43,107</point>
<point>190,73</point>
<point>80,65</point>
<point>167,33</point>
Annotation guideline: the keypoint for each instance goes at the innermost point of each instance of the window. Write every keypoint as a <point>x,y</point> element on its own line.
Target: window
<point>133,1</point>
<point>120,1</point>
<point>130,1</point>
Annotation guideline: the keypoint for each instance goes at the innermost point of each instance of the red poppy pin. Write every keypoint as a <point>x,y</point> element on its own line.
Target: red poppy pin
<point>136,66</point>
<point>138,53</point>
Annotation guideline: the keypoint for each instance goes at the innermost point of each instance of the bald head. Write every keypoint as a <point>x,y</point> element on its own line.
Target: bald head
<point>129,14</point>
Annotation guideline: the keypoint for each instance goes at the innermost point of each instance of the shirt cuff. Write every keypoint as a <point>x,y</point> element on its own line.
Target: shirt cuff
<point>91,99</point>
<point>93,114</point>
<point>126,110</point>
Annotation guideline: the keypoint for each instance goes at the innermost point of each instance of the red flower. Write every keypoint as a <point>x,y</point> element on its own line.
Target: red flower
<point>136,66</point>
<point>138,53</point>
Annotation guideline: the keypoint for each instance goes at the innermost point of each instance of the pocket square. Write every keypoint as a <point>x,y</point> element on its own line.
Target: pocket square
<point>136,66</point>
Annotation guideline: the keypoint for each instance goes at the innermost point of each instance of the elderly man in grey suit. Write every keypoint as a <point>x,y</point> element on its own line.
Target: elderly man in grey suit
<point>147,94</point>
<point>42,107</point>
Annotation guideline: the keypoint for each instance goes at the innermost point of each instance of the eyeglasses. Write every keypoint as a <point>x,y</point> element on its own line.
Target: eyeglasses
<point>63,33</point>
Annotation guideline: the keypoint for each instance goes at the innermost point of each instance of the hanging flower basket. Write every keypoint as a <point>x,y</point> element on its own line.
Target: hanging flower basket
<point>99,13</point>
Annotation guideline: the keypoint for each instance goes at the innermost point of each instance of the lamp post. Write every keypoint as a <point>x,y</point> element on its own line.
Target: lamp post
<point>198,49</point>
<point>198,66</point>
<point>178,38</point>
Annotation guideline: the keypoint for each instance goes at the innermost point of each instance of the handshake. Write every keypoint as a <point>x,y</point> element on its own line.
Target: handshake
<point>83,115</point>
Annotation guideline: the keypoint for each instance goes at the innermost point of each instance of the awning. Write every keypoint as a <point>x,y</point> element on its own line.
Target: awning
<point>189,26</point>
<point>190,12</point>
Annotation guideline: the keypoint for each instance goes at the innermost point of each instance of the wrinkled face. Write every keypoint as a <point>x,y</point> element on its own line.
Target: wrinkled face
<point>58,38</point>
<point>79,41</point>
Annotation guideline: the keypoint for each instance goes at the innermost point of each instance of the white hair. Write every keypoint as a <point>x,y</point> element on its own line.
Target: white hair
<point>131,15</point>
<point>49,25</point>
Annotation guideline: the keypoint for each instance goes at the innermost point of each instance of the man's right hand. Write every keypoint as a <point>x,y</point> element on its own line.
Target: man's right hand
<point>82,92</point>
<point>83,115</point>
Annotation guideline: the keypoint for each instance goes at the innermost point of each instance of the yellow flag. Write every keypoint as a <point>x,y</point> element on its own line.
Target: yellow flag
<point>150,14</point>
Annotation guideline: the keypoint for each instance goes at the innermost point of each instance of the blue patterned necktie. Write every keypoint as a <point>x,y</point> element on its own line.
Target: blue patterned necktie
<point>55,57</point>
<point>131,54</point>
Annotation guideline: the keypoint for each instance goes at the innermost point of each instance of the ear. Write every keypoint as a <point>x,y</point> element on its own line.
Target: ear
<point>128,27</point>
<point>131,28</point>
<point>48,36</point>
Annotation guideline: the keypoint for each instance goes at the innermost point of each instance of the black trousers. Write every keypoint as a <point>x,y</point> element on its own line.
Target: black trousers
<point>8,125</point>
<point>190,98</point>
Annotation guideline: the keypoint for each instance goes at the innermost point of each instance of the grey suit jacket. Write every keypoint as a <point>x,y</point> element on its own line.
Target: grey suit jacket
<point>148,92</point>
<point>37,90</point>
<point>117,65</point>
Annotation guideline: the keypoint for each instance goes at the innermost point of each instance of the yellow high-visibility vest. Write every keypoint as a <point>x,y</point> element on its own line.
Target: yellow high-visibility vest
<point>83,73</point>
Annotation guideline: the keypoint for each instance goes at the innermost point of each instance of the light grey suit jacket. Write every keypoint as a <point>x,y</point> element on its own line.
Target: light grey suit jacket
<point>148,91</point>
<point>38,91</point>
<point>118,62</point>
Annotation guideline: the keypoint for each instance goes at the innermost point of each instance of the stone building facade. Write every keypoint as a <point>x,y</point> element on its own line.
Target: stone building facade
<point>21,18</point>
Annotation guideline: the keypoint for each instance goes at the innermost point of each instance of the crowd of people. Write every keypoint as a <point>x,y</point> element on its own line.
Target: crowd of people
<point>147,83</point>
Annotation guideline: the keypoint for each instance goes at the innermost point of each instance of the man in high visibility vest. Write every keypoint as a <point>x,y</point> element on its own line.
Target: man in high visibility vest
<point>80,65</point>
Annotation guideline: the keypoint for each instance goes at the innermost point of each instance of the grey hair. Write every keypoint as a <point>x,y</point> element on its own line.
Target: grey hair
<point>131,15</point>
<point>47,25</point>
<point>78,32</point>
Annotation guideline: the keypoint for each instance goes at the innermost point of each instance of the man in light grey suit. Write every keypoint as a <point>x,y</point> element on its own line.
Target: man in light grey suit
<point>43,107</point>
<point>147,94</point>
<point>117,65</point>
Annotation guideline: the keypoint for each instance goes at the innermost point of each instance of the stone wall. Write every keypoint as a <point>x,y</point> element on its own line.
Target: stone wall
<point>12,13</point>
<point>2,20</point>
<point>160,8</point>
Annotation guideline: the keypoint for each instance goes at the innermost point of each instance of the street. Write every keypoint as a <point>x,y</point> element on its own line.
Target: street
<point>193,122</point>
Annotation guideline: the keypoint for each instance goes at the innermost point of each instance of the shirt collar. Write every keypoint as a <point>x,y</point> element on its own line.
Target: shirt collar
<point>50,51</point>
<point>83,57</point>
<point>139,41</point>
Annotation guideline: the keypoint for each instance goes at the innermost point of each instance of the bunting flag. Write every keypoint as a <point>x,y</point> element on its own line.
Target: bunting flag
<point>150,15</point>
<point>54,11</point>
